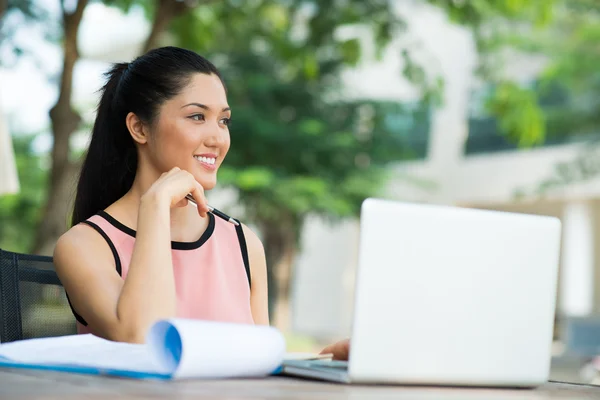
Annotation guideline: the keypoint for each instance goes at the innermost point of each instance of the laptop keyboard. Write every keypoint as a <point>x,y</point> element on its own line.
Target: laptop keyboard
<point>338,365</point>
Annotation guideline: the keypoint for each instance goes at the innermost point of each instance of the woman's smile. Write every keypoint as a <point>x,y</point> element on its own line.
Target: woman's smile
<point>207,161</point>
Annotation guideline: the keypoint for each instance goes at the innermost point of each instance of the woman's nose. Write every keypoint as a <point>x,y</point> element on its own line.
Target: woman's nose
<point>217,135</point>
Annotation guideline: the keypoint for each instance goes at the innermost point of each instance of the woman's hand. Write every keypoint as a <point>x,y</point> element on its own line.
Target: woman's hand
<point>340,350</point>
<point>173,186</point>
<point>124,309</point>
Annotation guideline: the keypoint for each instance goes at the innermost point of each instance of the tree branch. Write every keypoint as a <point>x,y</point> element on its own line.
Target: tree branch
<point>3,7</point>
<point>166,11</point>
<point>65,121</point>
<point>71,26</point>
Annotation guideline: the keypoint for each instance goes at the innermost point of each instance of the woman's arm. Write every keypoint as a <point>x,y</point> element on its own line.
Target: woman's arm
<point>259,301</point>
<point>117,309</point>
<point>148,293</point>
<point>114,308</point>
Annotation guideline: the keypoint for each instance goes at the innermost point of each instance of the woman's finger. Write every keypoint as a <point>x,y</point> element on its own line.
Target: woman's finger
<point>340,350</point>
<point>198,195</point>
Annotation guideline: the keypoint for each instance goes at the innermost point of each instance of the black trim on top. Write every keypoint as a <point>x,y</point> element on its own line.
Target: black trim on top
<point>174,245</point>
<point>242,238</point>
<point>78,317</point>
<point>110,244</point>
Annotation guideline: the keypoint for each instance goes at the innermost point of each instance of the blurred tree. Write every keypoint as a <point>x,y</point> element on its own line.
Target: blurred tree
<point>65,121</point>
<point>566,95</point>
<point>515,106</point>
<point>294,153</point>
<point>297,147</point>
<point>570,45</point>
<point>19,213</point>
<point>563,100</point>
<point>15,13</point>
<point>297,150</point>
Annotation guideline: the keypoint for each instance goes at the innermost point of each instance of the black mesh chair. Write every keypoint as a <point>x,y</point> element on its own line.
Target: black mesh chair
<point>33,302</point>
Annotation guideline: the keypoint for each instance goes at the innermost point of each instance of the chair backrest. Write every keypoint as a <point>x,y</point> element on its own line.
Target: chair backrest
<point>33,302</point>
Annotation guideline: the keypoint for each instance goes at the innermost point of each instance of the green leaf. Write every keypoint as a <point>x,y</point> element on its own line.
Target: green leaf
<point>312,127</point>
<point>310,67</point>
<point>351,51</point>
<point>253,179</point>
<point>521,118</point>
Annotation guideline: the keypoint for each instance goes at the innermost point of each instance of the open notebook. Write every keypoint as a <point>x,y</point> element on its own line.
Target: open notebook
<point>175,349</point>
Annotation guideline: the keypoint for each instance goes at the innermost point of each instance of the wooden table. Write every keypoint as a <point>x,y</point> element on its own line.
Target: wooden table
<point>27,384</point>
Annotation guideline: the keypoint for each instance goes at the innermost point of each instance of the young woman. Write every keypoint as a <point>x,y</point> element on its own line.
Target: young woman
<point>138,251</point>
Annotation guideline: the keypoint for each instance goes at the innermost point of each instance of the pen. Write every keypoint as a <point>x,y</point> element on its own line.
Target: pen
<point>215,211</point>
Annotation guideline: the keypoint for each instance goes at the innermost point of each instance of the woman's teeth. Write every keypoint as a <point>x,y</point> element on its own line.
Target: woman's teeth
<point>206,160</point>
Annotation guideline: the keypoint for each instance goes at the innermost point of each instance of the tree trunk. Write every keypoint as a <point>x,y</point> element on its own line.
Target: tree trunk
<point>3,7</point>
<point>165,11</point>
<point>280,249</point>
<point>64,122</point>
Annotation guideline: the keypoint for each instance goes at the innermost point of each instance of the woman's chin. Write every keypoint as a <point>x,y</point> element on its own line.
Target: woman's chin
<point>207,184</point>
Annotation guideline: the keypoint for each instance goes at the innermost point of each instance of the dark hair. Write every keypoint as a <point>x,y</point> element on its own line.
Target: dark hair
<point>141,87</point>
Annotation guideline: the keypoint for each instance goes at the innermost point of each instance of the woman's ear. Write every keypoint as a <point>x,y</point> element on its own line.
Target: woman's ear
<point>136,128</point>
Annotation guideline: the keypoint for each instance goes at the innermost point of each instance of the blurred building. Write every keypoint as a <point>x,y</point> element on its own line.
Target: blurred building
<point>462,160</point>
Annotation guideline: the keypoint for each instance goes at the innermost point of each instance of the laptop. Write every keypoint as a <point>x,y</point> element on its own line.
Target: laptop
<point>449,296</point>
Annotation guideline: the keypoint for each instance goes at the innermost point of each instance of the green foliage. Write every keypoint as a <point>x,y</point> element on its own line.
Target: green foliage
<point>569,43</point>
<point>19,213</point>
<point>478,12</point>
<point>521,119</point>
<point>431,90</point>
<point>295,149</point>
<point>497,26</point>
<point>294,153</point>
<point>14,16</point>
<point>126,5</point>
<point>270,28</point>
<point>298,146</point>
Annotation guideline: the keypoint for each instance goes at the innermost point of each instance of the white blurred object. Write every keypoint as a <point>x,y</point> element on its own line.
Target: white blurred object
<point>9,180</point>
<point>590,372</point>
<point>577,272</point>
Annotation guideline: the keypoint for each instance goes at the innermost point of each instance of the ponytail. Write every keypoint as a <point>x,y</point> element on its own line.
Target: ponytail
<point>109,167</point>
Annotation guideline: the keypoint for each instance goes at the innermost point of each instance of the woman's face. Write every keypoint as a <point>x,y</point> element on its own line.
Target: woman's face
<point>192,130</point>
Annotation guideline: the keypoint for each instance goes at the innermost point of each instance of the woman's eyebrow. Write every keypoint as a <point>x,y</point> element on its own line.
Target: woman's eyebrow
<point>205,107</point>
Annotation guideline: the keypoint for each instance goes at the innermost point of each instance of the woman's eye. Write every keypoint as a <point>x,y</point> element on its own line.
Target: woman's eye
<point>226,121</point>
<point>197,117</point>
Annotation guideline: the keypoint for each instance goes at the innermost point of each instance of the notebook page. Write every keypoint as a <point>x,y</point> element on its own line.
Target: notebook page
<point>84,350</point>
<point>207,349</point>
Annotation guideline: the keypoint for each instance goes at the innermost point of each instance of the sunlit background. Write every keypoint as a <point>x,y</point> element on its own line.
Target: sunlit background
<point>487,104</point>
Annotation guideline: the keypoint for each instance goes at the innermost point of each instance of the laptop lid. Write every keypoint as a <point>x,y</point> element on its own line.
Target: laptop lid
<point>453,296</point>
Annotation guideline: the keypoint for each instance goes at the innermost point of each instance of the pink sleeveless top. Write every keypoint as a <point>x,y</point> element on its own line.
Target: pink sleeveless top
<point>212,274</point>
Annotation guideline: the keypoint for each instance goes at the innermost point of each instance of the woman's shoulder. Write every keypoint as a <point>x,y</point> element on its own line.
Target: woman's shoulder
<point>76,234</point>
<point>243,231</point>
<point>256,254</point>
<point>252,239</point>
<point>80,241</point>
